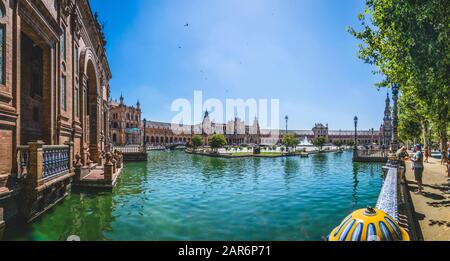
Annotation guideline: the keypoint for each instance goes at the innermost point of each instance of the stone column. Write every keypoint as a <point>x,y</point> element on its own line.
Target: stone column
<point>394,144</point>
<point>118,159</point>
<point>84,155</point>
<point>36,162</point>
<point>114,162</point>
<point>88,159</point>
<point>2,224</point>
<point>108,168</point>
<point>78,166</point>
<point>71,154</point>
<point>3,182</point>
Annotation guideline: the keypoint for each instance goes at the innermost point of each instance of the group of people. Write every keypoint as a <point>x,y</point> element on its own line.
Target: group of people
<point>417,164</point>
<point>418,160</point>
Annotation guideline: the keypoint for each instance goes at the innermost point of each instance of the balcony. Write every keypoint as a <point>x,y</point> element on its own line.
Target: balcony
<point>44,174</point>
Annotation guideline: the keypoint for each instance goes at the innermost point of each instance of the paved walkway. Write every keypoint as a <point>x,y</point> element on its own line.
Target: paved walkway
<point>433,206</point>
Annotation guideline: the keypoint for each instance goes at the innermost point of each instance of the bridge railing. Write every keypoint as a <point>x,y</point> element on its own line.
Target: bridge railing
<point>129,149</point>
<point>23,161</point>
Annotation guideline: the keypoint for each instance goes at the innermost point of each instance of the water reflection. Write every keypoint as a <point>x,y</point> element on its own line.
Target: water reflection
<point>291,167</point>
<point>256,163</point>
<point>177,196</point>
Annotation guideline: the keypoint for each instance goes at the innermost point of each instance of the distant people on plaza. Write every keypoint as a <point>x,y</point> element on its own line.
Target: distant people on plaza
<point>448,166</point>
<point>383,150</point>
<point>443,158</point>
<point>402,156</point>
<point>427,154</point>
<point>448,161</point>
<point>418,168</point>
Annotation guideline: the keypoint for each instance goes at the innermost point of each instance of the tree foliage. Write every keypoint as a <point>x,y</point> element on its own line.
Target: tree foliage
<point>217,141</point>
<point>197,141</point>
<point>338,143</point>
<point>408,42</point>
<point>290,140</point>
<point>319,142</point>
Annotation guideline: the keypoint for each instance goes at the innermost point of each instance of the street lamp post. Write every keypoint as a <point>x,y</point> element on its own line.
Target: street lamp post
<point>286,118</point>
<point>392,158</point>
<point>355,146</point>
<point>145,140</point>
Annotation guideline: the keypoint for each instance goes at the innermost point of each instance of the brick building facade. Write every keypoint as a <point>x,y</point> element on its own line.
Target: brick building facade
<point>163,134</point>
<point>54,84</point>
<point>125,123</point>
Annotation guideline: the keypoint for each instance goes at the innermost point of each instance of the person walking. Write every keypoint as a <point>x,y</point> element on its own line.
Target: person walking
<point>402,156</point>
<point>448,167</point>
<point>443,158</point>
<point>448,162</point>
<point>417,161</point>
<point>427,154</point>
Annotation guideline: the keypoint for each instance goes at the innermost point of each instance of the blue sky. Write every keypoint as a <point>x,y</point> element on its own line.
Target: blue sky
<point>297,51</point>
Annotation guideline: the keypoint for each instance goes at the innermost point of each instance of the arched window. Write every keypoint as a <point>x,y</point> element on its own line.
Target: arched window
<point>114,137</point>
<point>2,10</point>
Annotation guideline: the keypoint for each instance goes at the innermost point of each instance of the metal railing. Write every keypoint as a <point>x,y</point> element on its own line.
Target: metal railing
<point>23,161</point>
<point>55,160</point>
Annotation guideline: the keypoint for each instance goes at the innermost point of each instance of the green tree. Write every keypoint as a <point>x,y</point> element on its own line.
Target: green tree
<point>350,143</point>
<point>290,141</point>
<point>413,124</point>
<point>319,142</point>
<point>408,43</point>
<point>338,143</point>
<point>217,141</point>
<point>197,141</point>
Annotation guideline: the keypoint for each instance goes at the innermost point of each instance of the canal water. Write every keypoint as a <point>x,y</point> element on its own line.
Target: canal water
<point>177,196</point>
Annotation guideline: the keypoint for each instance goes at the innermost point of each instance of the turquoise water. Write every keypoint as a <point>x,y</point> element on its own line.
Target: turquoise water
<point>176,196</point>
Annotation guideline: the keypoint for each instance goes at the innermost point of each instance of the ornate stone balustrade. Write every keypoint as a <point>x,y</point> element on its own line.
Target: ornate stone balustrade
<point>48,178</point>
<point>370,155</point>
<point>388,199</point>
<point>23,161</point>
<point>56,161</point>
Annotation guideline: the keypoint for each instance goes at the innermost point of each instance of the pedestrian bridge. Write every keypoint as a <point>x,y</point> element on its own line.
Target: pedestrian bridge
<point>176,145</point>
